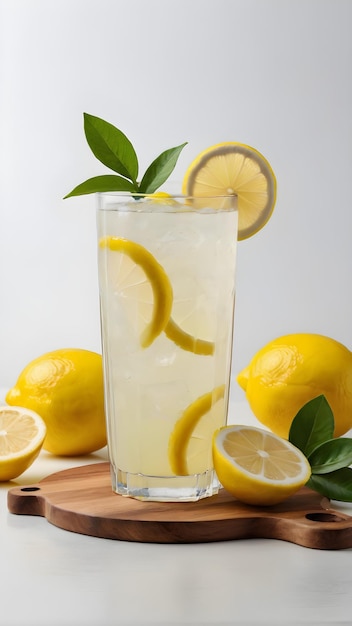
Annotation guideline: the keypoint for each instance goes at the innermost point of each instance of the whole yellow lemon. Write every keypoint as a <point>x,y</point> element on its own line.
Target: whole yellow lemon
<point>65,387</point>
<point>293,369</point>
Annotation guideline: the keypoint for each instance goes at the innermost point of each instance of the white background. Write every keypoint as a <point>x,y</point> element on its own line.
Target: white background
<point>275,74</point>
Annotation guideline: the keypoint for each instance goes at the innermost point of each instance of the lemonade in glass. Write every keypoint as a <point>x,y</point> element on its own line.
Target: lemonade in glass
<point>167,293</point>
<point>167,288</point>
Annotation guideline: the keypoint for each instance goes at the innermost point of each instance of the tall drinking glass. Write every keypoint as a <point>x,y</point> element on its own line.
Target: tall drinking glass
<point>167,291</point>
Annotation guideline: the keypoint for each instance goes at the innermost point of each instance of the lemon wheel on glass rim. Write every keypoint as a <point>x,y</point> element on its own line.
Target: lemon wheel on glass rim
<point>233,168</point>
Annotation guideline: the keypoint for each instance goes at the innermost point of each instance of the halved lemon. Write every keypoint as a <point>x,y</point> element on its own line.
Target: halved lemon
<point>232,168</point>
<point>190,441</point>
<point>22,434</point>
<point>256,466</point>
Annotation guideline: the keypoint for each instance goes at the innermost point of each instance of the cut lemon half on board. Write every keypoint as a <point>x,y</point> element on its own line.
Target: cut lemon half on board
<point>22,434</point>
<point>190,440</point>
<point>232,168</point>
<point>258,467</point>
<point>148,295</point>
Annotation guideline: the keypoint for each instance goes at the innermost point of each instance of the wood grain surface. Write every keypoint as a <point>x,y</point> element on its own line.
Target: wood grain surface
<point>81,500</point>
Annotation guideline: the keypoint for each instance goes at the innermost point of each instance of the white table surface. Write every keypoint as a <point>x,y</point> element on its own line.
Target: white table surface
<point>53,577</point>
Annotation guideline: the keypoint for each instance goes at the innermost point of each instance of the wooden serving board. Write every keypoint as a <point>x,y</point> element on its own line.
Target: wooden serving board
<point>81,500</point>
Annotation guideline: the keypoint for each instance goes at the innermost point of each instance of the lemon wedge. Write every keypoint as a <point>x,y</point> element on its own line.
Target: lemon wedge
<point>22,434</point>
<point>256,466</point>
<point>232,168</point>
<point>157,279</point>
<point>200,413</point>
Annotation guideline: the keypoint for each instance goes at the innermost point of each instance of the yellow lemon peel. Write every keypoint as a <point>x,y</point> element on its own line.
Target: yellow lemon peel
<point>65,387</point>
<point>291,370</point>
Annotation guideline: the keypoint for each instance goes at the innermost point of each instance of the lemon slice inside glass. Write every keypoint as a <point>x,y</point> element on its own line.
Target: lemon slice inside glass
<point>22,434</point>
<point>155,278</point>
<point>186,341</point>
<point>256,466</point>
<point>139,277</point>
<point>190,441</point>
<point>232,168</point>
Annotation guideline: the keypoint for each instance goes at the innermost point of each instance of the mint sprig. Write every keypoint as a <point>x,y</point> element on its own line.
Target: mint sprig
<point>312,432</point>
<point>112,148</point>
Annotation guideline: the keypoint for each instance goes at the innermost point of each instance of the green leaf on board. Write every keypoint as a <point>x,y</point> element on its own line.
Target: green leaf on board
<point>99,184</point>
<point>111,146</point>
<point>312,432</point>
<point>331,455</point>
<point>159,171</point>
<point>312,426</point>
<point>335,485</point>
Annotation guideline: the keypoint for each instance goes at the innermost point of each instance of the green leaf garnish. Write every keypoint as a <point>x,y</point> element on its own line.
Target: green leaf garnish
<point>159,171</point>
<point>336,485</point>
<point>331,456</point>
<point>99,184</point>
<point>112,148</point>
<point>312,426</point>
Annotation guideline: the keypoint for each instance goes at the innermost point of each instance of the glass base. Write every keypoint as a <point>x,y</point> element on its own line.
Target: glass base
<point>165,488</point>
